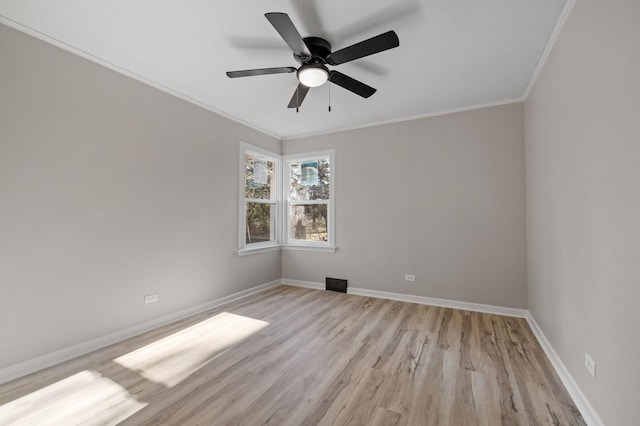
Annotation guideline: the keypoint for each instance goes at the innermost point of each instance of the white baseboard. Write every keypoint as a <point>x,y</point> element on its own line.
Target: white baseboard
<point>445,303</point>
<point>422,300</point>
<point>36,364</point>
<point>584,406</point>
<point>305,284</point>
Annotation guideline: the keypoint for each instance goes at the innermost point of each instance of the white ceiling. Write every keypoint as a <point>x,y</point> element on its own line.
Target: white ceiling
<point>453,54</point>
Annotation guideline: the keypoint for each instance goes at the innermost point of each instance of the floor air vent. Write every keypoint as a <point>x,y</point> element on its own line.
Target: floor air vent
<point>336,284</point>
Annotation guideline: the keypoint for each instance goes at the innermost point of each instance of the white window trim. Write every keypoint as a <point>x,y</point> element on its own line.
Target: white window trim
<point>291,244</point>
<point>282,202</point>
<point>276,191</point>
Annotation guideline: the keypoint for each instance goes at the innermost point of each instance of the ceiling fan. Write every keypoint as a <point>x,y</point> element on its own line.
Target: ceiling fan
<point>314,54</point>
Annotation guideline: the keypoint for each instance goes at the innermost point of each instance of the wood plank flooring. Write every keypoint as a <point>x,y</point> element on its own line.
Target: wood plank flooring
<point>293,356</point>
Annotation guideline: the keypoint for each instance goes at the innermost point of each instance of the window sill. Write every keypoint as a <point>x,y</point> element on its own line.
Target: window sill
<point>257,250</point>
<point>321,249</point>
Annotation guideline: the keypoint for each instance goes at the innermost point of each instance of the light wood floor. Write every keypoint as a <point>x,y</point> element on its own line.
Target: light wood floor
<point>292,356</point>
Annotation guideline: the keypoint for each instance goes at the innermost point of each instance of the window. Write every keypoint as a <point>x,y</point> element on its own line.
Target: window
<point>309,200</point>
<point>259,186</point>
<point>289,207</point>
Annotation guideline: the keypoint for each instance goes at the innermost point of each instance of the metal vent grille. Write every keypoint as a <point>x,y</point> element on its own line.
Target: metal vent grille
<point>336,284</point>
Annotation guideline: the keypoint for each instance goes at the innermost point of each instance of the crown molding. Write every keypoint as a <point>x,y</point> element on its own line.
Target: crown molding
<point>547,51</point>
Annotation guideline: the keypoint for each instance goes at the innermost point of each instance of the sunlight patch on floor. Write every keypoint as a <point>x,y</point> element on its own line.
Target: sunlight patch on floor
<point>84,398</point>
<point>174,358</point>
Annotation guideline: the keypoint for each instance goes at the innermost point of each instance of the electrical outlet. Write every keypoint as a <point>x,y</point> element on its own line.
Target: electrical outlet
<point>151,298</point>
<point>590,365</point>
<point>408,277</point>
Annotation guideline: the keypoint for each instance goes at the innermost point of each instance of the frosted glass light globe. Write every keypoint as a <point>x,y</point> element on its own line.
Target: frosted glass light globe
<point>313,75</point>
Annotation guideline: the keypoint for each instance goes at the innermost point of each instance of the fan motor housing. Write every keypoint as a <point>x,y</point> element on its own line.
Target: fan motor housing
<point>319,48</point>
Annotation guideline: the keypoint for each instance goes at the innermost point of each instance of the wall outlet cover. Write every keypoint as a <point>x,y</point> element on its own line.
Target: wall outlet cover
<point>151,298</point>
<point>590,365</point>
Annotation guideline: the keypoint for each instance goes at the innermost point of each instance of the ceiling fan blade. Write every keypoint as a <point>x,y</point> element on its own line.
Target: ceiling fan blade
<point>351,84</point>
<point>376,44</point>
<point>298,96</point>
<point>260,71</point>
<point>283,25</point>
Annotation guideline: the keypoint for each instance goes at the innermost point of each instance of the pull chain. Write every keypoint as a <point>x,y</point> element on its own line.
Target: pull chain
<point>298,99</point>
<point>329,96</point>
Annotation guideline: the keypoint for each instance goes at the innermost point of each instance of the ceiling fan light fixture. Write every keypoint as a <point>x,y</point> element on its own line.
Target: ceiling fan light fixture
<point>314,54</point>
<point>313,75</point>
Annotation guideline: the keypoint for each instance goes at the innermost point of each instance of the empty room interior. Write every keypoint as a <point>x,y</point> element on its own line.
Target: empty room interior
<point>413,212</point>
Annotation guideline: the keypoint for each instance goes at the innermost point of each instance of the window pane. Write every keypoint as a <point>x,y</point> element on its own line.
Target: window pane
<point>310,180</point>
<point>308,222</point>
<point>260,222</point>
<point>258,175</point>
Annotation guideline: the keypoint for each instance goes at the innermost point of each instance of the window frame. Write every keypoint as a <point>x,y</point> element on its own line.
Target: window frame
<point>275,199</point>
<point>294,244</point>
<point>280,193</point>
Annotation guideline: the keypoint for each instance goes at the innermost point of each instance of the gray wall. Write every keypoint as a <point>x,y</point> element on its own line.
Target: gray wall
<point>583,202</point>
<point>109,190</point>
<point>442,198</point>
